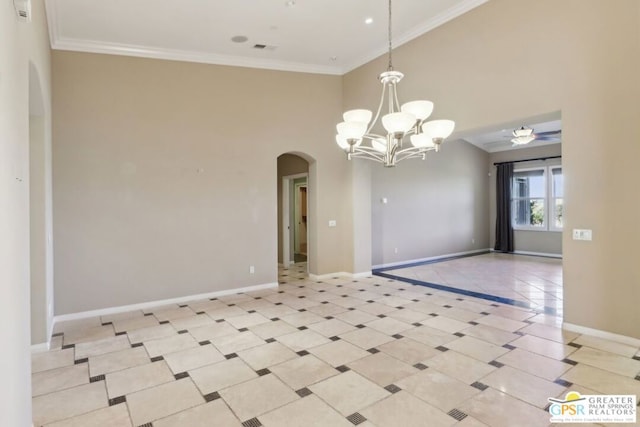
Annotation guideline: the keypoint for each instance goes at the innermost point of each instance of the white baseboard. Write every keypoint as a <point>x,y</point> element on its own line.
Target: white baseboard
<point>151,304</point>
<point>341,274</point>
<point>433,258</point>
<point>361,275</point>
<point>538,254</point>
<point>40,348</point>
<point>622,339</point>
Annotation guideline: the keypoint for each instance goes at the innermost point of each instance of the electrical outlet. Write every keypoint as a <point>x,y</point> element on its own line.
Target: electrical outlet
<point>332,223</point>
<point>252,269</point>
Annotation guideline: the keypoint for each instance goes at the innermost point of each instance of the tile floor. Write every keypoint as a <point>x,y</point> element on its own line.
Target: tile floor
<point>341,352</point>
<point>530,281</point>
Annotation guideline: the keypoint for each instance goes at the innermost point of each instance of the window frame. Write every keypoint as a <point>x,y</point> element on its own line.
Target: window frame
<point>552,198</point>
<point>548,200</point>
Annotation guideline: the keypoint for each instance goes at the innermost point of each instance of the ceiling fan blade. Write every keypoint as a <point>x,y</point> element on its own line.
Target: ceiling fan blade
<point>548,133</point>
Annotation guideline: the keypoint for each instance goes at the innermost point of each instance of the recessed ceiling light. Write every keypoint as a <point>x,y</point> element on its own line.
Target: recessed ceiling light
<point>334,58</point>
<point>239,39</point>
<point>290,3</point>
<point>368,21</point>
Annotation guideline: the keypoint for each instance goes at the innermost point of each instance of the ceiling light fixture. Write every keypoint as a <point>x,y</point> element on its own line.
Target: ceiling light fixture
<point>368,21</point>
<point>406,120</point>
<point>522,136</point>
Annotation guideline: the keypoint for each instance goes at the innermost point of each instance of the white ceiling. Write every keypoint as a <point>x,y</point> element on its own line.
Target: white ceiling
<point>317,36</point>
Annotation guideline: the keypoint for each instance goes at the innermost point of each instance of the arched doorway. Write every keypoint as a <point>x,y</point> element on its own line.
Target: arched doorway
<point>293,210</point>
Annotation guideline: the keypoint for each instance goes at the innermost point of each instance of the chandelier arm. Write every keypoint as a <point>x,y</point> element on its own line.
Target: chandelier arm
<point>415,149</point>
<point>416,154</point>
<point>377,116</point>
<point>395,96</point>
<point>358,153</point>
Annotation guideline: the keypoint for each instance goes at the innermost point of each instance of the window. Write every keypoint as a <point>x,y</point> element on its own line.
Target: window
<point>536,201</point>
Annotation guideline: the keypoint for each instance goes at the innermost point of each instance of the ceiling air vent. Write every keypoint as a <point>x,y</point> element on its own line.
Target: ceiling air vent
<point>23,9</point>
<point>264,47</point>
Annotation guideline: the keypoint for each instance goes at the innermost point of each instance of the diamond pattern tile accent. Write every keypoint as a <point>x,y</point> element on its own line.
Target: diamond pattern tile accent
<point>136,344</point>
<point>117,400</point>
<point>373,350</point>
<point>457,414</point>
<point>479,386</point>
<point>392,388</point>
<point>572,344</point>
<point>157,358</point>
<point>343,368</point>
<point>211,396</point>
<point>263,372</point>
<point>334,338</point>
<point>397,336</point>
<point>563,383</point>
<point>302,353</point>
<point>270,340</point>
<point>253,422</point>
<point>442,348</point>
<point>459,334</point>
<point>181,375</point>
<point>420,366</point>
<point>303,392</point>
<point>508,347</point>
<point>205,342</point>
<point>496,364</point>
<point>80,361</point>
<point>356,419</point>
<point>96,378</point>
<point>569,361</point>
<point>230,356</point>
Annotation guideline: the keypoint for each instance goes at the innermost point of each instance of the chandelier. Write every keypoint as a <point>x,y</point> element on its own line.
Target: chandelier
<point>355,134</point>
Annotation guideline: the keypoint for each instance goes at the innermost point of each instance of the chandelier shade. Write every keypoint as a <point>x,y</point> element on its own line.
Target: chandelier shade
<point>356,133</point>
<point>420,109</point>
<point>398,122</point>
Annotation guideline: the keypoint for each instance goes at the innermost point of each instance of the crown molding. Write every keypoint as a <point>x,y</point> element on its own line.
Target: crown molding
<point>185,56</point>
<point>95,46</point>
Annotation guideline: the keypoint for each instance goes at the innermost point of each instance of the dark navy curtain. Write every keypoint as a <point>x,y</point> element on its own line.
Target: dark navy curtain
<point>504,230</point>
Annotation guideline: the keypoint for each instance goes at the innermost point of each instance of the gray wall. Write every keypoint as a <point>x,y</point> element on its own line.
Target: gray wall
<point>434,207</point>
<point>545,242</point>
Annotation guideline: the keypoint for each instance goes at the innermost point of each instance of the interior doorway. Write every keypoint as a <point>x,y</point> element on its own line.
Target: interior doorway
<point>293,210</point>
<point>300,219</point>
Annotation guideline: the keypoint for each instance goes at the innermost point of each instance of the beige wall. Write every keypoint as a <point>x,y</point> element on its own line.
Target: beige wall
<point>288,164</point>
<point>434,207</point>
<point>542,242</point>
<point>165,172</point>
<point>20,45</point>
<point>486,67</point>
